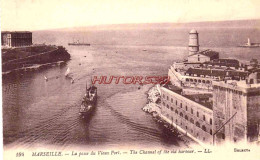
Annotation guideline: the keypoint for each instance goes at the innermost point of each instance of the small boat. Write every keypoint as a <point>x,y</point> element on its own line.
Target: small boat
<point>249,44</point>
<point>89,101</point>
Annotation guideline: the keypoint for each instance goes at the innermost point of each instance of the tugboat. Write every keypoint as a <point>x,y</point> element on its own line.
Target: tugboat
<point>89,101</point>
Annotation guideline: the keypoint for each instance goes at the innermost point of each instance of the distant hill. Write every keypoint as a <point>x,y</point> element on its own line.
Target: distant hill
<point>209,24</point>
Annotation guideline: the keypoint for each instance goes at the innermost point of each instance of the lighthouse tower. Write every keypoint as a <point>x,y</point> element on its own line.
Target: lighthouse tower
<point>193,42</point>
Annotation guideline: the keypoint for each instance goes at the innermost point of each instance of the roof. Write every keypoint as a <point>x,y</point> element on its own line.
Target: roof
<point>208,53</point>
<point>203,99</point>
<point>224,62</point>
<point>234,61</point>
<point>216,72</point>
<point>16,32</point>
<point>193,31</point>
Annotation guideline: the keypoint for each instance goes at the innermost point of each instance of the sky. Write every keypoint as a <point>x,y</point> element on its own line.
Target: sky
<point>52,14</point>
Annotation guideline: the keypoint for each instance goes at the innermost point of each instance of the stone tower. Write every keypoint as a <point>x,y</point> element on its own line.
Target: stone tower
<point>193,42</point>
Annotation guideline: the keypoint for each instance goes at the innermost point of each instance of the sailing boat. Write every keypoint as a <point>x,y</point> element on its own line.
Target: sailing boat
<point>67,72</point>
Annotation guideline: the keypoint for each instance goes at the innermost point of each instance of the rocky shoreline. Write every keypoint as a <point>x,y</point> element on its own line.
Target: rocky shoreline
<point>32,58</point>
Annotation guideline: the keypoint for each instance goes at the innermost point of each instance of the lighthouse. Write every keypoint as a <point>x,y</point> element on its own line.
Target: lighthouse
<point>193,42</point>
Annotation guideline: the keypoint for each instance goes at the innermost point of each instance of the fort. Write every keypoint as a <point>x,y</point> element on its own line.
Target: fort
<point>212,100</point>
<point>16,38</point>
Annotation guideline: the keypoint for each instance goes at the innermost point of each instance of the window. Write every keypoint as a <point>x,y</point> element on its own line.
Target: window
<point>171,109</point>
<point>186,127</point>
<point>210,131</point>
<point>176,103</point>
<point>223,136</point>
<point>181,114</point>
<point>167,98</point>
<point>204,128</point>
<point>186,117</point>
<point>198,114</point>
<point>186,108</point>
<point>163,103</point>
<point>181,105</point>
<point>191,121</point>
<point>176,111</point>
<point>198,57</point>
<point>204,118</point>
<point>167,106</point>
<point>191,111</point>
<point>198,124</point>
<point>171,100</point>
<point>210,121</point>
<point>163,96</point>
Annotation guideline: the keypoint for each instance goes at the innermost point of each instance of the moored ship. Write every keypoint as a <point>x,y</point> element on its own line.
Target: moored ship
<point>89,101</point>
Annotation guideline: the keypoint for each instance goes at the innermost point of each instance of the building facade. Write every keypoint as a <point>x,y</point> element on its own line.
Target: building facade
<point>190,117</point>
<point>236,110</point>
<point>16,39</point>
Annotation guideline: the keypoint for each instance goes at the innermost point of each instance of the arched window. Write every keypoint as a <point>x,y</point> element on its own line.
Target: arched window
<point>204,118</point>
<point>171,109</point>
<point>210,131</point>
<point>181,114</point>
<point>199,81</point>
<point>176,111</point>
<point>208,82</point>
<point>171,100</point>
<point>191,111</point>
<point>195,80</point>
<point>210,121</point>
<point>167,106</point>
<point>198,114</point>
<point>203,81</point>
<point>187,79</point>
<point>186,117</point>
<point>186,108</point>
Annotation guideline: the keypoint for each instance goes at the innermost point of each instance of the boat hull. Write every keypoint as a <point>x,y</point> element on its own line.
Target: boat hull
<point>89,103</point>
